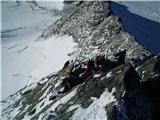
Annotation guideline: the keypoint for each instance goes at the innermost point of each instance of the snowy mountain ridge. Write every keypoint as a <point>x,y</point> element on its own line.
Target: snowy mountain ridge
<point>96,31</point>
<point>95,28</point>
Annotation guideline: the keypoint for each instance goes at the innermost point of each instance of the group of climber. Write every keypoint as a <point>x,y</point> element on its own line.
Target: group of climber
<point>81,71</point>
<point>78,74</point>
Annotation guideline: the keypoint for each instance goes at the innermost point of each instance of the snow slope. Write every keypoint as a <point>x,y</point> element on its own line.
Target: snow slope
<point>24,58</point>
<point>96,111</point>
<point>142,20</point>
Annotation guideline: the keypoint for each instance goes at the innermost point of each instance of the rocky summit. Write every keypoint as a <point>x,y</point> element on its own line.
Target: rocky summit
<point>96,29</point>
<point>126,89</point>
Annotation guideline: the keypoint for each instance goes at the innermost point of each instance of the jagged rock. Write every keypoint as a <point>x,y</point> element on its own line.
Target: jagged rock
<point>26,92</point>
<point>150,68</point>
<point>141,100</point>
<point>95,88</point>
<point>150,73</point>
<point>96,31</point>
<point>123,82</point>
<point>134,106</point>
<point>32,112</point>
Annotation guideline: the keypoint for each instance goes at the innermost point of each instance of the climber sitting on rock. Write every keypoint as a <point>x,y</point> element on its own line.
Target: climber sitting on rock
<point>89,70</point>
<point>102,64</point>
<point>79,73</point>
<point>77,76</point>
<point>77,69</point>
<point>105,65</point>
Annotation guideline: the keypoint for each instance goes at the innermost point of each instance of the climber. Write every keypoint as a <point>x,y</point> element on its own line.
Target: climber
<point>85,74</point>
<point>102,64</point>
<point>67,84</point>
<point>79,75</point>
<point>77,69</point>
<point>89,71</point>
<point>107,65</point>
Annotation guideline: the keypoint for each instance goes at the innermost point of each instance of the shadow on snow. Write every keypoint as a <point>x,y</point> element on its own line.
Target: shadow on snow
<point>146,32</point>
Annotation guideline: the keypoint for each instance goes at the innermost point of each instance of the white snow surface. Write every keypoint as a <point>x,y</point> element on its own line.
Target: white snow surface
<point>25,59</point>
<point>96,111</point>
<point>109,75</point>
<point>50,4</point>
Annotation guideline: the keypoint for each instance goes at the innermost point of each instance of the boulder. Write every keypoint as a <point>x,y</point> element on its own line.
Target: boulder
<point>150,68</point>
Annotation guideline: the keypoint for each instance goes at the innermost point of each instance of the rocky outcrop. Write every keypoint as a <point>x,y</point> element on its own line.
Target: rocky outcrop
<point>150,82</point>
<point>150,69</point>
<point>125,92</point>
<point>119,92</point>
<point>96,31</point>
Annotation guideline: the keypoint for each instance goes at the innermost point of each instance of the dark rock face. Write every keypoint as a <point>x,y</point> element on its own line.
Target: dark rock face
<point>151,81</point>
<point>151,90</point>
<point>134,105</point>
<point>150,68</point>
<point>131,79</point>
<point>142,99</point>
<point>138,104</point>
